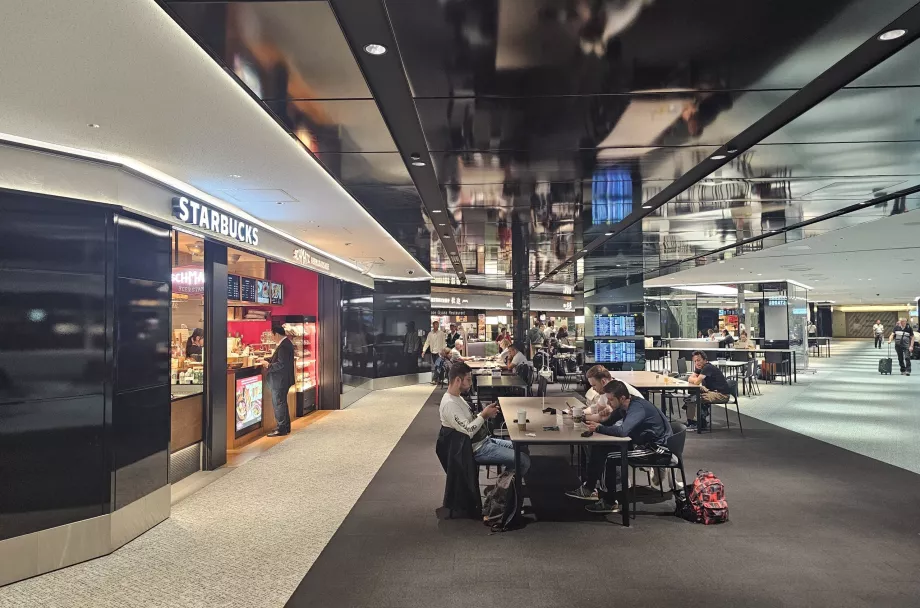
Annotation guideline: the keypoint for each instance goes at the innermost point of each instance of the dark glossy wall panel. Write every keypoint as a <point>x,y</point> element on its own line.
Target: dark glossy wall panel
<point>142,353</point>
<point>143,250</point>
<point>52,334</point>
<point>64,237</point>
<point>51,463</point>
<point>140,449</point>
<point>400,308</point>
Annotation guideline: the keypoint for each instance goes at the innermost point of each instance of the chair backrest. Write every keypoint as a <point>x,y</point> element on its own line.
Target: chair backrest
<point>525,372</point>
<point>678,438</point>
<point>733,388</point>
<point>681,366</point>
<point>773,357</point>
<point>740,355</point>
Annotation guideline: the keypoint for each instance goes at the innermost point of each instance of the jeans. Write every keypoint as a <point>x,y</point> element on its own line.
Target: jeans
<point>500,451</point>
<point>878,340</point>
<point>903,358</point>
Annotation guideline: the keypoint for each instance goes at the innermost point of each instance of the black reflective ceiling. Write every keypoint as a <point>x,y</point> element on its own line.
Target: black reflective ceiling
<point>570,114</point>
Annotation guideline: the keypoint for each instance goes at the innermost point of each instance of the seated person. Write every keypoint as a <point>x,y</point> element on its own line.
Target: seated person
<point>505,354</point>
<point>516,357</point>
<point>743,343</point>
<point>455,352</point>
<point>714,387</point>
<point>598,409</point>
<point>441,365</point>
<point>633,417</point>
<point>727,339</point>
<point>456,414</point>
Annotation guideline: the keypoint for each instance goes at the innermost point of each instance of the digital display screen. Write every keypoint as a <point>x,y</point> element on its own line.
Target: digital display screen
<point>248,402</point>
<point>614,352</point>
<point>233,287</point>
<point>277,293</point>
<point>614,325</point>
<point>263,292</point>
<point>248,290</point>
<point>611,195</point>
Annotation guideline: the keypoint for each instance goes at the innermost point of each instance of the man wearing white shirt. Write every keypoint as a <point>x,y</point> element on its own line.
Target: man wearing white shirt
<point>598,377</point>
<point>435,342</point>
<point>515,357</point>
<point>879,330</point>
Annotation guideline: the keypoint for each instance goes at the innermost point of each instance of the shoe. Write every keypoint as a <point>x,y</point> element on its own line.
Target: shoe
<point>601,507</point>
<point>433,382</point>
<point>277,434</point>
<point>691,426</point>
<point>656,478</point>
<point>582,493</point>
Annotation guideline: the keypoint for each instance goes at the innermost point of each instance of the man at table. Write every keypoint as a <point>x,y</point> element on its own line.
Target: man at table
<point>714,388</point>
<point>456,414</point>
<point>515,357</point>
<point>632,417</point>
<point>598,408</point>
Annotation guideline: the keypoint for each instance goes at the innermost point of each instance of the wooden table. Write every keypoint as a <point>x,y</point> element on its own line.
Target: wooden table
<point>659,383</point>
<point>566,435</point>
<point>733,350</point>
<point>484,364</point>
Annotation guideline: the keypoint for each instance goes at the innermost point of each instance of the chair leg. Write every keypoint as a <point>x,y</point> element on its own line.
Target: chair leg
<point>728,424</point>
<point>660,482</point>
<point>738,409</point>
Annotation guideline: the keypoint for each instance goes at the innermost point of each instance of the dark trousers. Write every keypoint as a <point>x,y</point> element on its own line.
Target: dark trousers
<point>903,358</point>
<point>878,340</point>
<point>603,470</point>
<point>279,404</point>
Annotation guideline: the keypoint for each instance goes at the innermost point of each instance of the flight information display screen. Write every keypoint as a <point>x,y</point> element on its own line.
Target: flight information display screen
<point>614,352</point>
<point>614,325</point>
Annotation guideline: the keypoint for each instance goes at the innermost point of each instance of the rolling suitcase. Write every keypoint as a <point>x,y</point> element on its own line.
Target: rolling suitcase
<point>884,365</point>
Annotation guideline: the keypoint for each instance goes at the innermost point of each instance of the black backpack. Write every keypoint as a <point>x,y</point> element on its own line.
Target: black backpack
<point>501,506</point>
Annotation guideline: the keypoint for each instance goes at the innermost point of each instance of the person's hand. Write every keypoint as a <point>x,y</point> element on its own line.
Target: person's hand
<point>592,426</point>
<point>604,411</point>
<point>490,411</point>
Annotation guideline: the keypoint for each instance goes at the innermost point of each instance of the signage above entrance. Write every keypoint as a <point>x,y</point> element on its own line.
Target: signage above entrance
<point>303,256</point>
<point>207,218</point>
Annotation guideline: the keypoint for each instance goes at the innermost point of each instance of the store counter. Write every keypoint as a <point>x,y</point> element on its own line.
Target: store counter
<point>249,406</point>
<point>186,416</point>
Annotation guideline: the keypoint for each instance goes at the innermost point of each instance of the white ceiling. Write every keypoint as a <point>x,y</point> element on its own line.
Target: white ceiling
<point>876,262</point>
<point>160,100</point>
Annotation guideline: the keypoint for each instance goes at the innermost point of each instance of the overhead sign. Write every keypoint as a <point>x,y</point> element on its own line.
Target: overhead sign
<point>303,257</point>
<point>218,222</point>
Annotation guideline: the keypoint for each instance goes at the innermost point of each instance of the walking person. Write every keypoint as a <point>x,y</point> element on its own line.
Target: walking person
<point>434,343</point>
<point>280,368</point>
<point>879,330</point>
<point>903,338</point>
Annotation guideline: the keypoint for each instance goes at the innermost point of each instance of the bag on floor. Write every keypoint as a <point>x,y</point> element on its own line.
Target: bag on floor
<point>884,365</point>
<point>501,507</point>
<point>706,502</point>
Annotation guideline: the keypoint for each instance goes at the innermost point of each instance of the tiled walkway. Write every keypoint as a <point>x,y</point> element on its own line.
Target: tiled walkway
<point>247,539</point>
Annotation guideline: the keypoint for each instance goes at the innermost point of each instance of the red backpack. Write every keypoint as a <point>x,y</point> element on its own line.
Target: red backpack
<point>707,499</point>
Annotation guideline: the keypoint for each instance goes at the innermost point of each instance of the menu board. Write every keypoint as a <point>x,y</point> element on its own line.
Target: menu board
<point>248,290</point>
<point>248,401</point>
<point>614,352</point>
<point>263,292</point>
<point>233,287</point>
<point>614,325</point>
<point>277,293</point>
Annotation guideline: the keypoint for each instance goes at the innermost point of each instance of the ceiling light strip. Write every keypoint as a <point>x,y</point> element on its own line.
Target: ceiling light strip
<point>858,62</point>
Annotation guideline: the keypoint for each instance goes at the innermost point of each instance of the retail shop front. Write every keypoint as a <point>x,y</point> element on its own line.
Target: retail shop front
<point>134,326</point>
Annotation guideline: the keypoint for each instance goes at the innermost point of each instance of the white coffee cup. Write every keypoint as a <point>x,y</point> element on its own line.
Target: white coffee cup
<point>522,419</point>
<point>578,414</point>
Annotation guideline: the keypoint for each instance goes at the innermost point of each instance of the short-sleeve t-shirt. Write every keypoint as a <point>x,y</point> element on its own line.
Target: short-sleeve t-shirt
<point>715,379</point>
<point>902,335</point>
<point>518,359</point>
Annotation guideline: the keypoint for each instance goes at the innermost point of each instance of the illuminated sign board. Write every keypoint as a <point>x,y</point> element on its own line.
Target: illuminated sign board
<point>218,222</point>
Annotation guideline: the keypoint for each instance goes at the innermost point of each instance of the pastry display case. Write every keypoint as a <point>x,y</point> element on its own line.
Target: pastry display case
<point>303,334</point>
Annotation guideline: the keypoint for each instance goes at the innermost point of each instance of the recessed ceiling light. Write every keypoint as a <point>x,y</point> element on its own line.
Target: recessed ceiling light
<point>608,234</point>
<point>892,35</point>
<point>759,274</point>
<point>733,150</point>
<point>280,203</point>
<point>375,49</point>
<point>442,224</point>
<point>646,206</point>
<point>436,211</point>
<point>719,157</point>
<point>92,125</point>
<point>418,163</point>
<point>233,176</point>
<point>741,269</point>
<point>584,251</point>
<point>721,261</point>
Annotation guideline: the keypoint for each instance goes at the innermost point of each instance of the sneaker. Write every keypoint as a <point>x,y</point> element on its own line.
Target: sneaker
<point>656,478</point>
<point>691,426</point>
<point>582,493</point>
<point>601,506</point>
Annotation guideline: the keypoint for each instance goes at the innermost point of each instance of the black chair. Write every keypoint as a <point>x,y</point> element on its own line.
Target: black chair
<point>461,490</point>
<point>669,397</point>
<point>779,363</point>
<point>572,375</point>
<point>676,445</point>
<point>749,379</point>
<point>526,373</point>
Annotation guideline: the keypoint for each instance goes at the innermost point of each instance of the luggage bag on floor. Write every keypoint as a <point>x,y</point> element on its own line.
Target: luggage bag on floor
<point>884,365</point>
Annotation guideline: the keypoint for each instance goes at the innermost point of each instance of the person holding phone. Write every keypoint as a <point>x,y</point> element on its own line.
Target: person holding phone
<point>455,413</point>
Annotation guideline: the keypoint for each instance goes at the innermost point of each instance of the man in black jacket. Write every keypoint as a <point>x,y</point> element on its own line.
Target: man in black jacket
<point>280,370</point>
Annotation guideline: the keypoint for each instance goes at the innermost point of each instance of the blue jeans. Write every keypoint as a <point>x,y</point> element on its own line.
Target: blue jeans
<point>501,451</point>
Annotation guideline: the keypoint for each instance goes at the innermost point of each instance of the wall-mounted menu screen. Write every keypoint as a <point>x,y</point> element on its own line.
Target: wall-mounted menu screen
<point>614,352</point>
<point>277,293</point>
<point>248,290</point>
<point>263,292</point>
<point>233,287</point>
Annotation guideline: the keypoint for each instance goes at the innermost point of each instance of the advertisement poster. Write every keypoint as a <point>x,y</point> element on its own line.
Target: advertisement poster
<point>263,295</point>
<point>277,293</point>
<point>248,401</point>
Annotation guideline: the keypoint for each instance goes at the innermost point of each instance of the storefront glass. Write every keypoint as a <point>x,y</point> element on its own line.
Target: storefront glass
<point>188,299</point>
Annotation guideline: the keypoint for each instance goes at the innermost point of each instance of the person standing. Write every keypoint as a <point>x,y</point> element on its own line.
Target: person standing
<point>535,336</point>
<point>280,368</point>
<point>879,331</point>
<point>903,338</point>
<point>434,343</point>
<point>452,336</point>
